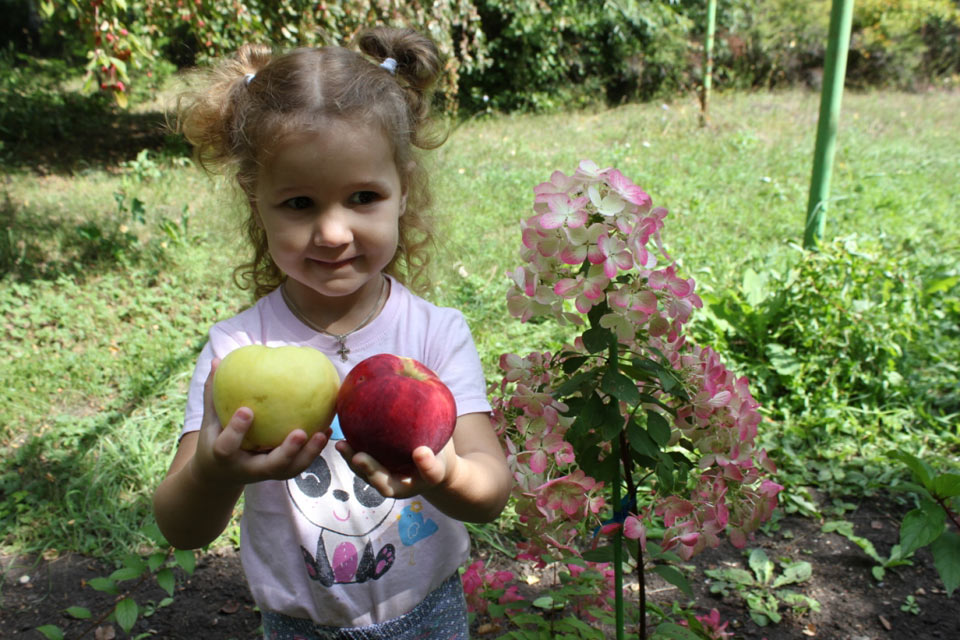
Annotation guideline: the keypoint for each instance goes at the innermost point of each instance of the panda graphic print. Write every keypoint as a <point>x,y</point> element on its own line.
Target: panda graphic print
<point>351,517</point>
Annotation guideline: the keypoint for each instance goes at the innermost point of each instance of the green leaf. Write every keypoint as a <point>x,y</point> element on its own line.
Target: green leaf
<point>671,631</point>
<point>640,441</point>
<point>761,565</point>
<point>125,573</point>
<point>941,284</point>
<point>845,529</point>
<point>133,561</point>
<point>80,613</point>
<point>51,632</point>
<point>578,382</point>
<point>186,560</point>
<point>126,613</point>
<point>613,421</point>
<point>878,572</point>
<point>166,580</point>
<point>543,602</point>
<point>754,286</point>
<point>784,361</point>
<point>620,387</point>
<point>103,584</point>
<point>526,618</point>
<point>946,485</point>
<point>572,364</point>
<point>921,526</point>
<point>658,428</point>
<point>582,628</point>
<point>156,560</point>
<point>921,470</point>
<point>793,573</point>
<point>674,576</point>
<point>596,339</point>
<point>946,558</point>
<point>591,413</point>
<point>733,575</point>
<point>600,554</point>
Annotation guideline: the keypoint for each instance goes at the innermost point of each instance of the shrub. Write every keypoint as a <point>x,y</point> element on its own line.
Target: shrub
<point>563,53</point>
<point>863,325</point>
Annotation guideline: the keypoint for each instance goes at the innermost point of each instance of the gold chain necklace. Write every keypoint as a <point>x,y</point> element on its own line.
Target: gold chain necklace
<point>341,338</point>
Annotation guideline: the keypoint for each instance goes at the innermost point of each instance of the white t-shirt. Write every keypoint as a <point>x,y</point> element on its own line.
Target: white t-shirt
<point>325,545</point>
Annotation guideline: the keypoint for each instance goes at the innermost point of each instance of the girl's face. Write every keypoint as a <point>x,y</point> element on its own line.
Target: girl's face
<point>330,202</point>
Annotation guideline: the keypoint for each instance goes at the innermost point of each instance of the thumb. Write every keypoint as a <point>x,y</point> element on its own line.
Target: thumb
<point>432,467</point>
<point>208,407</point>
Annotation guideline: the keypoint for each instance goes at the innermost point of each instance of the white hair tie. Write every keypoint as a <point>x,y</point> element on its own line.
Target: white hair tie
<point>249,78</point>
<point>390,65</point>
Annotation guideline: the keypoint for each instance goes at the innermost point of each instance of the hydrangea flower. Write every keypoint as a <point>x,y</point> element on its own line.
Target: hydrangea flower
<point>594,239</point>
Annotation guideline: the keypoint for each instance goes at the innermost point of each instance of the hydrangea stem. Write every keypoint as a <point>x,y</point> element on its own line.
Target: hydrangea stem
<point>618,557</point>
<point>627,461</point>
<point>614,352</point>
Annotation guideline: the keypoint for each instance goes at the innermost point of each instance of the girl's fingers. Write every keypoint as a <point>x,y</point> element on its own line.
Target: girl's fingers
<point>231,437</point>
<point>431,466</point>
<point>293,455</point>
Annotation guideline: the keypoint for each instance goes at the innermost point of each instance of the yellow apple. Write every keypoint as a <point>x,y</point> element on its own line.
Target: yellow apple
<point>286,387</point>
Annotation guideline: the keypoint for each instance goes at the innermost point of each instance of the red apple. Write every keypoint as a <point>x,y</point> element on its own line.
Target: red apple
<point>389,405</point>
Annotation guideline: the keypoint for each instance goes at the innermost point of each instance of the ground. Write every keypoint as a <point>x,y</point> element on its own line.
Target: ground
<point>215,604</point>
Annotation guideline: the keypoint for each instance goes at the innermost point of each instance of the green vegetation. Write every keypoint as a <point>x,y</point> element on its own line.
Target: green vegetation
<point>509,54</point>
<point>110,279</point>
<point>762,589</point>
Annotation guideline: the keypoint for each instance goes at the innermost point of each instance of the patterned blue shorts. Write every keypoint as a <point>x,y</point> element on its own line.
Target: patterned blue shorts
<point>441,616</point>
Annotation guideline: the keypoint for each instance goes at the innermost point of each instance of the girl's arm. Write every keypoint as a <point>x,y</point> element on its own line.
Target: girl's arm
<point>468,479</point>
<point>195,501</point>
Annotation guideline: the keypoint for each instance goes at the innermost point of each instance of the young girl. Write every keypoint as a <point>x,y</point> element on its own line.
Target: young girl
<point>322,144</point>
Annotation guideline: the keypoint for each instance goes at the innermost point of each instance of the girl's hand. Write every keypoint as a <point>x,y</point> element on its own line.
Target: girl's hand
<point>219,458</point>
<point>468,479</point>
<point>432,470</point>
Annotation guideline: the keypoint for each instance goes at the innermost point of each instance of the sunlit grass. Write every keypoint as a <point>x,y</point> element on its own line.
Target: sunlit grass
<point>98,351</point>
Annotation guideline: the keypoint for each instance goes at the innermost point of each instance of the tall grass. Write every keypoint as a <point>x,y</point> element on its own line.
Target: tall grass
<point>106,304</point>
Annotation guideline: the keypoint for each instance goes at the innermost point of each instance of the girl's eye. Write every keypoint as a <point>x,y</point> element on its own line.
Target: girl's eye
<point>364,197</point>
<point>299,202</point>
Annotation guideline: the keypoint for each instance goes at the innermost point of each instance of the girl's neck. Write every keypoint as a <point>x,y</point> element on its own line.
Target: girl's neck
<point>337,315</point>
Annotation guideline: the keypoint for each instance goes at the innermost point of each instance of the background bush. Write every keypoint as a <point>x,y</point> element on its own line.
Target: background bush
<point>512,54</point>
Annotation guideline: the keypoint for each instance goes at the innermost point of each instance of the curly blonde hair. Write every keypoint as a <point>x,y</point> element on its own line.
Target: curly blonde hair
<point>258,97</point>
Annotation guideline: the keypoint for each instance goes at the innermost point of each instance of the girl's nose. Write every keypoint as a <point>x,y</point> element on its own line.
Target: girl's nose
<point>332,229</point>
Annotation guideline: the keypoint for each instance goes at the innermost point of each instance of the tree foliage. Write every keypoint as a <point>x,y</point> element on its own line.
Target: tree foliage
<point>514,54</point>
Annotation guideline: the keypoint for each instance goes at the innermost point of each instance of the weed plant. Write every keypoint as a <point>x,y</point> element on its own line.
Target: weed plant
<point>109,280</point>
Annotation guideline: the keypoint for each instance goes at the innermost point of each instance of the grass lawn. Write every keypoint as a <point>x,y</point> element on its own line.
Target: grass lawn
<point>113,276</point>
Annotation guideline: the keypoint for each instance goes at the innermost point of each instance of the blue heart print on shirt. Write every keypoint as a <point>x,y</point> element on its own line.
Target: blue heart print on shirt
<point>413,527</point>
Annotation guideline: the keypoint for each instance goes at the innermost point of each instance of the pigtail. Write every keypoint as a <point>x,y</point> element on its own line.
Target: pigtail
<point>211,119</point>
<point>418,67</point>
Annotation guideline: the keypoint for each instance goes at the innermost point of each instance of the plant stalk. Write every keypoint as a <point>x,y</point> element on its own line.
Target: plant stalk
<point>618,558</point>
<point>627,460</point>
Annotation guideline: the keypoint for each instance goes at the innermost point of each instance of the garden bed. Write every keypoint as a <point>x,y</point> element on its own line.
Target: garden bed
<point>214,603</point>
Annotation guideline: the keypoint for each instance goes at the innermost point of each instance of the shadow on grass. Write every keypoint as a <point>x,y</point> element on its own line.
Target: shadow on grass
<point>59,132</point>
<point>38,243</point>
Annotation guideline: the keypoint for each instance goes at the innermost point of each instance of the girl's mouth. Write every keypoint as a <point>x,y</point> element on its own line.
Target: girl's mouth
<point>333,264</point>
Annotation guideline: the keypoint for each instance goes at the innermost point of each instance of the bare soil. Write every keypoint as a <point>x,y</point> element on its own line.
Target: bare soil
<point>214,603</point>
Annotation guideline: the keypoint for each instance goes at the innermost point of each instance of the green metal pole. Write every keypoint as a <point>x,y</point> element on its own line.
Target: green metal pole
<point>708,61</point>
<point>834,72</point>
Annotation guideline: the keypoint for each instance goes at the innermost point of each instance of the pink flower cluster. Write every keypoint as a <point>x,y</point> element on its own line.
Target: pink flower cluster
<point>480,585</point>
<point>552,495</point>
<point>588,243</point>
<point>587,229</point>
<point>712,625</point>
